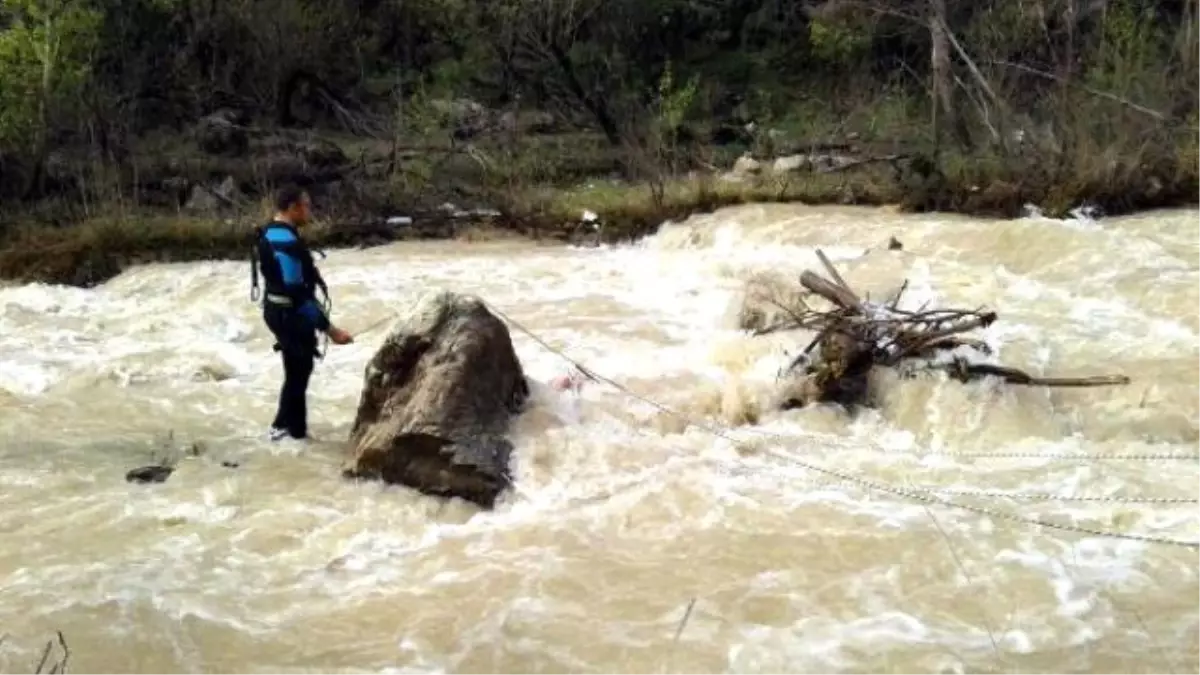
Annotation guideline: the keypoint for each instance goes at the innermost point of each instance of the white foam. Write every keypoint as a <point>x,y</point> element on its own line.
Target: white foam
<point>603,492</point>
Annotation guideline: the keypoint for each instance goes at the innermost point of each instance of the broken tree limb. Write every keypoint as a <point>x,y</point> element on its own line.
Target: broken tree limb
<point>855,336</point>
<point>835,294</point>
<point>951,343</point>
<point>837,277</point>
<point>965,372</point>
<point>923,340</point>
<point>1090,90</point>
<point>894,301</point>
<point>864,161</point>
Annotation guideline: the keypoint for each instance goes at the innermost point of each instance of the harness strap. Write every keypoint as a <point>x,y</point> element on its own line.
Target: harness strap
<point>320,283</point>
<point>255,293</point>
<point>299,249</point>
<point>327,307</point>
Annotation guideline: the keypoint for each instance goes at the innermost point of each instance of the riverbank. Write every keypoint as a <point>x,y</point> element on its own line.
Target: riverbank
<point>98,248</point>
<point>602,210</point>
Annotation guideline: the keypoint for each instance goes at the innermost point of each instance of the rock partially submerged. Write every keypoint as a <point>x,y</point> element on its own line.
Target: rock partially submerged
<point>437,400</point>
<point>154,473</point>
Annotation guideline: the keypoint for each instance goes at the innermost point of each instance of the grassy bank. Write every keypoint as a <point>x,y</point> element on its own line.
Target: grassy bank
<point>101,246</point>
<point>98,248</point>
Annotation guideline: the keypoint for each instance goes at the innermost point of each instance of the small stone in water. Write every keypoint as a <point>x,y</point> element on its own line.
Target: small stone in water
<point>149,474</point>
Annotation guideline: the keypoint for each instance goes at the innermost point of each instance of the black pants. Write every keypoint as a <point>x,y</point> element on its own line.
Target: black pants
<point>297,342</point>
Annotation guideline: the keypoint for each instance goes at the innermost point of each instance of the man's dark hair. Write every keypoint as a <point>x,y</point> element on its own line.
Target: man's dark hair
<point>288,196</point>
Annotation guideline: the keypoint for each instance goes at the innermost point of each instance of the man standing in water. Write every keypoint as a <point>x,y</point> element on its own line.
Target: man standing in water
<point>290,307</point>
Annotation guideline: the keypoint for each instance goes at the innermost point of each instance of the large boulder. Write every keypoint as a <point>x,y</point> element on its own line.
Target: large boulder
<point>223,133</point>
<point>437,400</point>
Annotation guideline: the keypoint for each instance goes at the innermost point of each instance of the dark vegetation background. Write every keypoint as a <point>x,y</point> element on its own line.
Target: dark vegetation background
<point>138,130</point>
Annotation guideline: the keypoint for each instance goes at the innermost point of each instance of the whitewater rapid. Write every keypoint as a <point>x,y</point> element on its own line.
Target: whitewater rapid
<point>627,510</point>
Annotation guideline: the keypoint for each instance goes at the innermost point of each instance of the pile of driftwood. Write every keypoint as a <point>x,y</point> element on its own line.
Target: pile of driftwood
<point>856,335</point>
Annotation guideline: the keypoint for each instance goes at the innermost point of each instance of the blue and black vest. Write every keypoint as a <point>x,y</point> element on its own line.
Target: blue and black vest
<point>290,276</point>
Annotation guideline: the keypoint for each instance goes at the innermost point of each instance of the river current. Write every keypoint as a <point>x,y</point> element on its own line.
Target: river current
<point>691,537</point>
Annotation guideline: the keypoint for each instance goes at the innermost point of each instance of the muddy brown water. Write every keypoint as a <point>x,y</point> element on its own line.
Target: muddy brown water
<point>624,514</point>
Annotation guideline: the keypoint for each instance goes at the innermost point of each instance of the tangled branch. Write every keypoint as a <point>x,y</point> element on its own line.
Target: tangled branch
<point>855,335</point>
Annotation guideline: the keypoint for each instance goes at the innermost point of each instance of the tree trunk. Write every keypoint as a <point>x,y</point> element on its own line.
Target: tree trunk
<point>598,108</point>
<point>939,68</point>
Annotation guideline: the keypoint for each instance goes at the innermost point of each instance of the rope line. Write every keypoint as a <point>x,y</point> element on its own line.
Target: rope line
<point>1064,456</point>
<point>845,477</point>
<point>1050,497</point>
<point>1017,495</point>
<point>933,498</point>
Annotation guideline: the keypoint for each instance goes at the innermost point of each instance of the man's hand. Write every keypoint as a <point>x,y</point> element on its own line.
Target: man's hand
<point>339,336</point>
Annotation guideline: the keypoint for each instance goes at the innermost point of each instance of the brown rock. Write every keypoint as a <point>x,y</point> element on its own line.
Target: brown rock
<point>437,400</point>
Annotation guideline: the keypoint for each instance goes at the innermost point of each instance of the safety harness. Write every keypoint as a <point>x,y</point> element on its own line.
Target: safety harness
<point>262,253</point>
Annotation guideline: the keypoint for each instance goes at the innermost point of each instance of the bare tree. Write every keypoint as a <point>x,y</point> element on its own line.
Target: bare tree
<point>542,34</point>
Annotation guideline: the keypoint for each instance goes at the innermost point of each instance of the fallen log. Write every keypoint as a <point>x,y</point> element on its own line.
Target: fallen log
<point>842,297</point>
<point>963,371</point>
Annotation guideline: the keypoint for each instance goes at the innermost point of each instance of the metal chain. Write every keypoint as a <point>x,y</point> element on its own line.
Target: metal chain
<point>1058,456</point>
<point>861,481</point>
<point>1035,496</point>
<point>1051,497</point>
<point>931,498</point>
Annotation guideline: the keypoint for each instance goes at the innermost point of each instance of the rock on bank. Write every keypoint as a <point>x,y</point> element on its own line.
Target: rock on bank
<point>437,400</point>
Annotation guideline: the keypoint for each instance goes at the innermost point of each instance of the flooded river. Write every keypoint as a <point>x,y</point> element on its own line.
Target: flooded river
<point>635,540</point>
